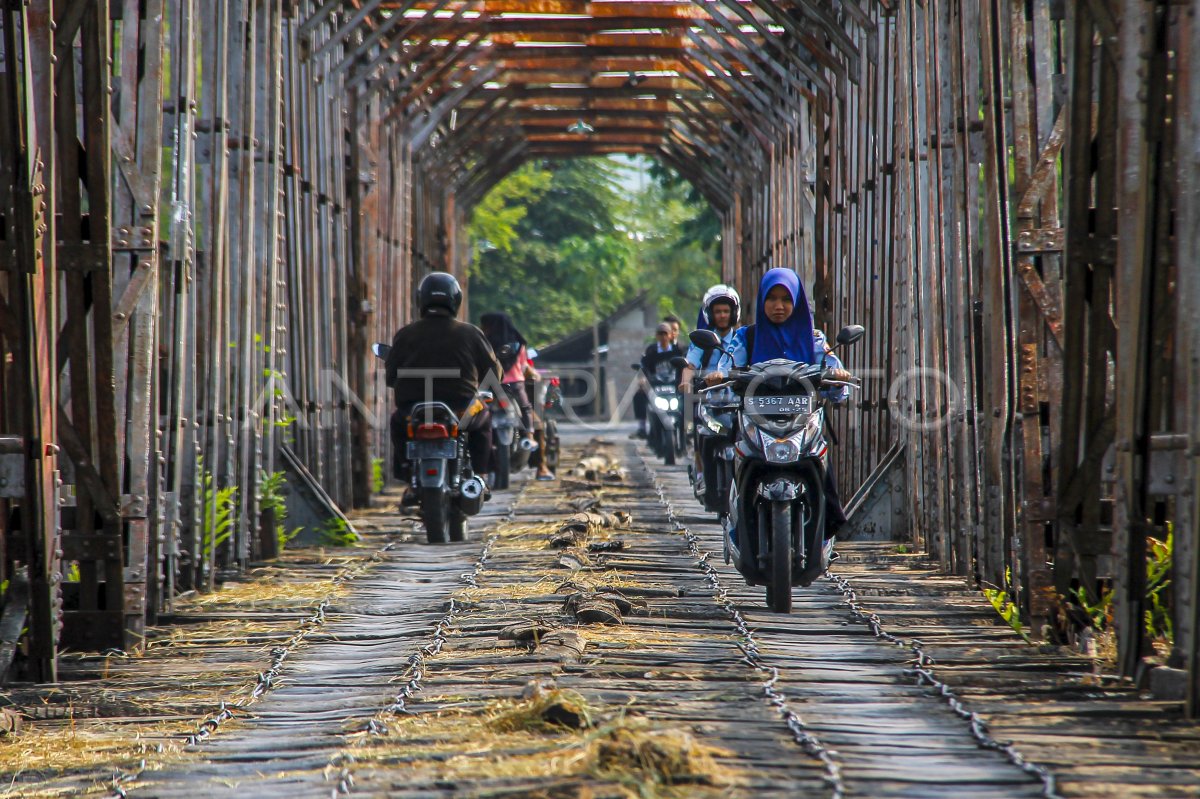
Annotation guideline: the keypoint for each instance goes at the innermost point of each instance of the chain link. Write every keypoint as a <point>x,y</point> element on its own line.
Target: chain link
<point>808,741</point>
<point>264,681</point>
<point>344,761</point>
<point>923,671</point>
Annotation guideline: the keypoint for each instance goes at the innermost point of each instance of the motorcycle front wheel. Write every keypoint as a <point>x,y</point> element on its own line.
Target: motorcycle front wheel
<point>667,445</point>
<point>779,590</point>
<point>714,488</point>
<point>435,514</point>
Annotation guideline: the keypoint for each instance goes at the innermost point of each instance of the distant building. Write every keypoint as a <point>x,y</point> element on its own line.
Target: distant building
<point>622,335</point>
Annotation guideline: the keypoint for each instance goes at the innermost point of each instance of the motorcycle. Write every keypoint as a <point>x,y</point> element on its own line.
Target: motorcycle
<point>667,434</point>
<point>715,436</point>
<point>548,396</point>
<point>447,490</point>
<point>512,450</point>
<point>775,529</point>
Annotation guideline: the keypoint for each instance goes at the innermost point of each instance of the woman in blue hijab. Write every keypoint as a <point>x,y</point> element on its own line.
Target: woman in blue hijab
<point>783,327</point>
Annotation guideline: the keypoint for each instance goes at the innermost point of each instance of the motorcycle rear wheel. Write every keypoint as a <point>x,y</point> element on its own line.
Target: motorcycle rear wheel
<point>551,454</point>
<point>435,510</point>
<point>458,525</point>
<point>503,458</point>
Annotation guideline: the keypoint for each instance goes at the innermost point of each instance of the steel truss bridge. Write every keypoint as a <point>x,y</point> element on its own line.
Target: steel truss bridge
<point>209,208</point>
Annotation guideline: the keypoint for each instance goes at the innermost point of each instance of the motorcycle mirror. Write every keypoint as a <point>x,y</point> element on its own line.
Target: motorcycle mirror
<point>635,366</point>
<point>679,362</point>
<point>850,334</point>
<point>381,350</point>
<point>704,339</point>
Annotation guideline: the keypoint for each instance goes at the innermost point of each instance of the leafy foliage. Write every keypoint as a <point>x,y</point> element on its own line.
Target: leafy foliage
<point>1100,611</point>
<point>559,243</point>
<point>270,497</point>
<point>336,533</point>
<point>1157,618</point>
<point>703,228</point>
<point>377,478</point>
<point>494,221</point>
<point>216,513</point>
<point>1008,610</point>
<point>1160,556</point>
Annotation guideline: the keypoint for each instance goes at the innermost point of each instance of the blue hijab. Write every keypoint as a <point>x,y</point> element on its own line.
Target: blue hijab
<point>794,338</point>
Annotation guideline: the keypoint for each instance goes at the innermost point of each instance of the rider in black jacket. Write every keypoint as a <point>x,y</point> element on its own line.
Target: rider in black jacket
<point>440,359</point>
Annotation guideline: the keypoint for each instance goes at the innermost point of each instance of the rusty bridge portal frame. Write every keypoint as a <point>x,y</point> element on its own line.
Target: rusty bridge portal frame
<point>209,208</point>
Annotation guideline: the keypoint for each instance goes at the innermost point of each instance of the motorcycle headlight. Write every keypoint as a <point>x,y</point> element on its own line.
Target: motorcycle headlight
<point>674,403</point>
<point>662,403</point>
<point>781,451</point>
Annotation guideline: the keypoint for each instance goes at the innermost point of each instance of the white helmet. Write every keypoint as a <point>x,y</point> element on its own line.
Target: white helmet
<point>721,292</point>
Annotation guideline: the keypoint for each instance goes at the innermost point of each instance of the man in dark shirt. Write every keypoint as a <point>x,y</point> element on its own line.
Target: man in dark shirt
<point>440,359</point>
<point>656,360</point>
<point>656,368</point>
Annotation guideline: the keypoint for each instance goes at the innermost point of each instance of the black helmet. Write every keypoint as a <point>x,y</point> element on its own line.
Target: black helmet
<point>439,289</point>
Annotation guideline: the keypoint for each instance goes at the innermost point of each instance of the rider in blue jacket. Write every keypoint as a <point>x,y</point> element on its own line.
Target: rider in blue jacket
<point>784,329</point>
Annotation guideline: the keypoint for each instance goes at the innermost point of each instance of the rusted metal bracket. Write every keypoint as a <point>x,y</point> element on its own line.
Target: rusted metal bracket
<point>12,620</point>
<point>308,503</point>
<point>878,510</point>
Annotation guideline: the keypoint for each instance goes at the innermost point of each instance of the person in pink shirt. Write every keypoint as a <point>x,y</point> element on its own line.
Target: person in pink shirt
<point>513,354</point>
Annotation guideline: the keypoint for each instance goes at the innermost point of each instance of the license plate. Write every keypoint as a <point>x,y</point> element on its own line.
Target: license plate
<point>419,450</point>
<point>779,405</point>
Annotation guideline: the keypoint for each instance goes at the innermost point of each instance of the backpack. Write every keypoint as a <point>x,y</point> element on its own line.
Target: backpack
<point>704,362</point>
<point>749,339</point>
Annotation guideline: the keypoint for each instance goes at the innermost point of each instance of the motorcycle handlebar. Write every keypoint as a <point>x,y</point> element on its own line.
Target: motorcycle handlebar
<point>741,377</point>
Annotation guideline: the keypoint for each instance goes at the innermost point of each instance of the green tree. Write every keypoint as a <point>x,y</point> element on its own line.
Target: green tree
<point>563,247</point>
<point>703,228</point>
<point>678,242</point>
<point>558,242</point>
<point>495,219</point>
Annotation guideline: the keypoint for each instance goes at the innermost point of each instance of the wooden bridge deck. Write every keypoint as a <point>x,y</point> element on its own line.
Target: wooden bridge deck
<point>397,690</point>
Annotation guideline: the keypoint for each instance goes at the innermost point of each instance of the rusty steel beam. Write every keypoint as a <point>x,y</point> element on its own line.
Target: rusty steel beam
<point>1187,553</point>
<point>29,406</point>
<point>367,71</point>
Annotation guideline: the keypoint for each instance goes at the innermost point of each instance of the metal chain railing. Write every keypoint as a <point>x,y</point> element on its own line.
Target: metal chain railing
<point>343,761</point>
<point>924,676</point>
<point>808,741</point>
<point>264,681</point>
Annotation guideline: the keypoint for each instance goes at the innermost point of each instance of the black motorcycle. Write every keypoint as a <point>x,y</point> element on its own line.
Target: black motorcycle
<point>510,447</point>
<point>447,489</point>
<point>715,435</point>
<point>775,531</point>
<point>548,398</point>
<point>666,434</point>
